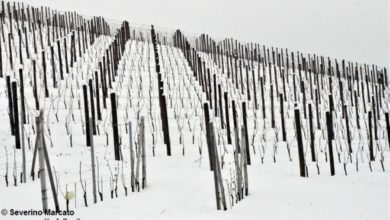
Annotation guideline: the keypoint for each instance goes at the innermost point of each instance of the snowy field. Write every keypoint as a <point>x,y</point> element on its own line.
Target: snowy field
<point>182,186</point>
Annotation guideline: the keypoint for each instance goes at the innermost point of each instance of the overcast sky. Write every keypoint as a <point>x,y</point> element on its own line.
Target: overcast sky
<point>357,30</point>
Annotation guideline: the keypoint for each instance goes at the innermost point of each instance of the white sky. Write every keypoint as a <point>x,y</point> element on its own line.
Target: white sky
<point>357,30</point>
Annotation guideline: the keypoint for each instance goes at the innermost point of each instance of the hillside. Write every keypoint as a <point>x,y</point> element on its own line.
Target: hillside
<point>107,119</point>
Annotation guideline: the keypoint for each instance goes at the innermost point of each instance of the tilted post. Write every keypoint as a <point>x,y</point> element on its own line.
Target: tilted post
<point>208,139</point>
<point>217,169</point>
<point>49,172</point>
<point>42,170</point>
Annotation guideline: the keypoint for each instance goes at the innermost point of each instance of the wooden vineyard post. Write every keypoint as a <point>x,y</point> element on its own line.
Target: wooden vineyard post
<point>317,109</point>
<point>208,89</point>
<point>16,114</point>
<point>356,109</point>
<point>243,165</point>
<point>44,74</point>
<point>22,105</point>
<point>375,118</point>
<point>66,57</point>
<point>10,48</point>
<point>371,139</point>
<point>235,128</point>
<point>42,170</point>
<point>132,178</point>
<point>99,114</point>
<point>22,122</point>
<point>86,114</point>
<point>93,163</point>
<point>342,99</point>
<point>348,131</point>
<point>302,165</point>
<point>53,67</point>
<point>238,175</point>
<point>388,127</point>
<point>115,127</point>
<point>254,89</point>
<point>10,105</point>
<point>229,136</point>
<point>295,89</point>
<point>312,135</point>
<point>331,110</point>
<point>208,133</point>
<point>220,106</point>
<point>1,57</point>
<point>244,117</point>
<point>219,189</point>
<point>215,95</point>
<point>303,99</point>
<point>330,134</point>
<point>34,37</point>
<point>143,153</point>
<point>262,96</point>
<point>35,91</point>
<point>364,100</point>
<point>48,31</point>
<point>284,85</point>
<point>50,173</point>
<point>43,149</point>
<point>60,60</point>
<point>272,107</point>
<point>216,183</point>
<point>93,118</point>
<point>72,50</point>
<point>162,99</point>
<point>166,124</point>
<point>284,135</point>
<point>104,86</point>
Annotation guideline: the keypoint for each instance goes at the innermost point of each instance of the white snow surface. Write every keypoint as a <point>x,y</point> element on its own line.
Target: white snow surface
<point>182,186</point>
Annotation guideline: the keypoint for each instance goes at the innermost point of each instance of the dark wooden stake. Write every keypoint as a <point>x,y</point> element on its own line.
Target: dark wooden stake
<point>16,114</point>
<point>86,114</point>
<point>115,127</point>
<point>208,135</point>
<point>244,118</point>
<point>330,145</point>
<point>302,165</point>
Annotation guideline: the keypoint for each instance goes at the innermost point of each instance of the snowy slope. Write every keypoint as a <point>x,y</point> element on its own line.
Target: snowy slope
<point>182,185</point>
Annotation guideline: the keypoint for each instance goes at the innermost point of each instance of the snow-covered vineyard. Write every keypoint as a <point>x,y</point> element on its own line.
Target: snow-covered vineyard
<point>107,119</point>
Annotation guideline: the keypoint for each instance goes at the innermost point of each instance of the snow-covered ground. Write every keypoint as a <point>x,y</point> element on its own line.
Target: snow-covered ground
<point>182,186</point>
